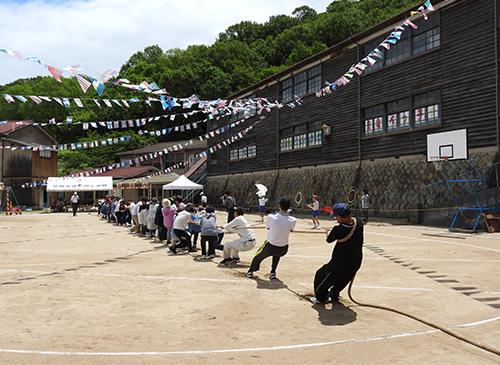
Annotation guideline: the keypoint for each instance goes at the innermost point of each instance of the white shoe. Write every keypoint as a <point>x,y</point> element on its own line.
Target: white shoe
<point>315,300</point>
<point>318,227</point>
<point>313,227</point>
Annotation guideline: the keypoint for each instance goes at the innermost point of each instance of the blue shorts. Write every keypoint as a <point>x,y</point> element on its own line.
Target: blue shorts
<point>315,213</point>
<point>262,208</point>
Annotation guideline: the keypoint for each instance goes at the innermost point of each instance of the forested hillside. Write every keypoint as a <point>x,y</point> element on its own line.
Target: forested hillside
<point>242,55</point>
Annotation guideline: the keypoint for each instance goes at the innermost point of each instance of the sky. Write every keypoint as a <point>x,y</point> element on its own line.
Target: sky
<point>99,35</point>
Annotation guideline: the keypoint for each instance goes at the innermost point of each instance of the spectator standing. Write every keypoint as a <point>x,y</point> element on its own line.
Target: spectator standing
<point>75,201</point>
<point>365,204</point>
<point>150,219</point>
<point>230,204</point>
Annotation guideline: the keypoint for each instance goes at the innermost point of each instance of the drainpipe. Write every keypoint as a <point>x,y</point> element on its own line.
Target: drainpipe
<point>358,48</point>
<point>277,128</point>
<point>495,2</point>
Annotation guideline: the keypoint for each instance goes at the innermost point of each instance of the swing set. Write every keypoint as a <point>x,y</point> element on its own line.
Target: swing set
<point>7,197</point>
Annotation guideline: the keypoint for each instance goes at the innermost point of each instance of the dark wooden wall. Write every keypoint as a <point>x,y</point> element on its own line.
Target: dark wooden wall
<point>462,68</point>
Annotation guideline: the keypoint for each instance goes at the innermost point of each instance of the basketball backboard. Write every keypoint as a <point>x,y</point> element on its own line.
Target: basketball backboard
<point>452,145</point>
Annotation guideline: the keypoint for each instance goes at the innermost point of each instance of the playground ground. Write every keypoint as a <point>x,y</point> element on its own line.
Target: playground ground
<point>77,290</point>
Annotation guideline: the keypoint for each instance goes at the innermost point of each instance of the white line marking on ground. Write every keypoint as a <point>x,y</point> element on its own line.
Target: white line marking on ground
<point>252,349</point>
<point>432,240</point>
<point>219,280</point>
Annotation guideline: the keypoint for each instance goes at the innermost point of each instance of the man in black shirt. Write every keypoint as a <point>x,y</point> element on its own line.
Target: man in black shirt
<point>230,203</point>
<point>347,255</point>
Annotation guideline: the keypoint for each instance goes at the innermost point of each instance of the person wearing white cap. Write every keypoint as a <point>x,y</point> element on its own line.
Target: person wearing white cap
<point>204,199</point>
<point>75,200</point>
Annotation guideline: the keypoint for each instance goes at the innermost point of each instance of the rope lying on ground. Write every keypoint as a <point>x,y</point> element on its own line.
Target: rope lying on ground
<point>430,324</point>
<point>322,230</point>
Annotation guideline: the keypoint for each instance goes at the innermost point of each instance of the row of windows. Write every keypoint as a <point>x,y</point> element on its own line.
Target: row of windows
<point>420,111</point>
<point>243,152</point>
<point>299,85</point>
<point>302,136</point>
<point>412,42</point>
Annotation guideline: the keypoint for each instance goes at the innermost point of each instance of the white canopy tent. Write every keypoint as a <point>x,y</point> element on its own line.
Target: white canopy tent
<point>182,183</point>
<point>85,183</point>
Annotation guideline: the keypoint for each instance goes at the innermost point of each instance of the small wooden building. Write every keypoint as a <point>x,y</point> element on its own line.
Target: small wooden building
<point>28,154</point>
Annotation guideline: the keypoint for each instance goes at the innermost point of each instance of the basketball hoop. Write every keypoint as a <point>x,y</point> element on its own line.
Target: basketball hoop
<point>438,161</point>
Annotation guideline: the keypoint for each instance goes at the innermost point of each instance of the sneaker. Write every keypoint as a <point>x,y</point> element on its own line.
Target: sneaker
<point>318,227</point>
<point>272,276</point>
<point>315,300</point>
<point>203,257</point>
<point>190,249</point>
<point>314,227</point>
<point>225,261</point>
<point>249,274</point>
<point>235,260</point>
<point>211,256</point>
<point>173,250</point>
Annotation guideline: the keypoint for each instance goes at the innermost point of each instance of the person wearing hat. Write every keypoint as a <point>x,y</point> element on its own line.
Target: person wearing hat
<point>204,199</point>
<point>150,219</point>
<point>75,200</point>
<point>347,255</point>
<point>315,207</point>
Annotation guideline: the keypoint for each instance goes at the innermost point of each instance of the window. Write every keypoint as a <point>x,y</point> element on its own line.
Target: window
<point>314,79</point>
<point>243,150</point>
<point>213,158</point>
<point>374,120</point>
<point>398,115</point>
<point>427,108</point>
<point>404,114</point>
<point>301,84</point>
<point>368,48</point>
<point>425,41</point>
<point>286,90</point>
<point>399,51</point>
<point>252,151</point>
<point>45,153</point>
<point>286,139</point>
<point>412,42</point>
<point>301,136</point>
<point>315,135</point>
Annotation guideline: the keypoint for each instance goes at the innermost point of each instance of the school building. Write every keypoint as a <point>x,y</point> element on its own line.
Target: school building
<point>371,131</point>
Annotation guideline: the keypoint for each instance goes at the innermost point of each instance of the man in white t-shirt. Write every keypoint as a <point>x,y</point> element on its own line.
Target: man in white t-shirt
<point>75,200</point>
<point>245,241</point>
<point>276,245</point>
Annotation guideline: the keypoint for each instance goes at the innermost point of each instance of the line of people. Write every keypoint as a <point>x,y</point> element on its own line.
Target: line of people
<point>179,225</point>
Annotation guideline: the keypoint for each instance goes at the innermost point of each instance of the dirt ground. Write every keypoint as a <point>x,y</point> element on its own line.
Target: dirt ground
<point>77,290</point>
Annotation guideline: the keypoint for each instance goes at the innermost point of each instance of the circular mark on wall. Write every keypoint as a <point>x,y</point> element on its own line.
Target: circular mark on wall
<point>351,196</point>
<point>298,198</point>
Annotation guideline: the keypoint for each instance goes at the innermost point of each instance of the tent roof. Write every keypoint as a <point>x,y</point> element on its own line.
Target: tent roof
<point>182,183</point>
<point>158,179</point>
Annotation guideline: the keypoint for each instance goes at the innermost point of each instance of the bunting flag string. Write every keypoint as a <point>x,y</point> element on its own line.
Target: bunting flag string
<point>71,146</point>
<point>375,55</point>
<point>152,155</point>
